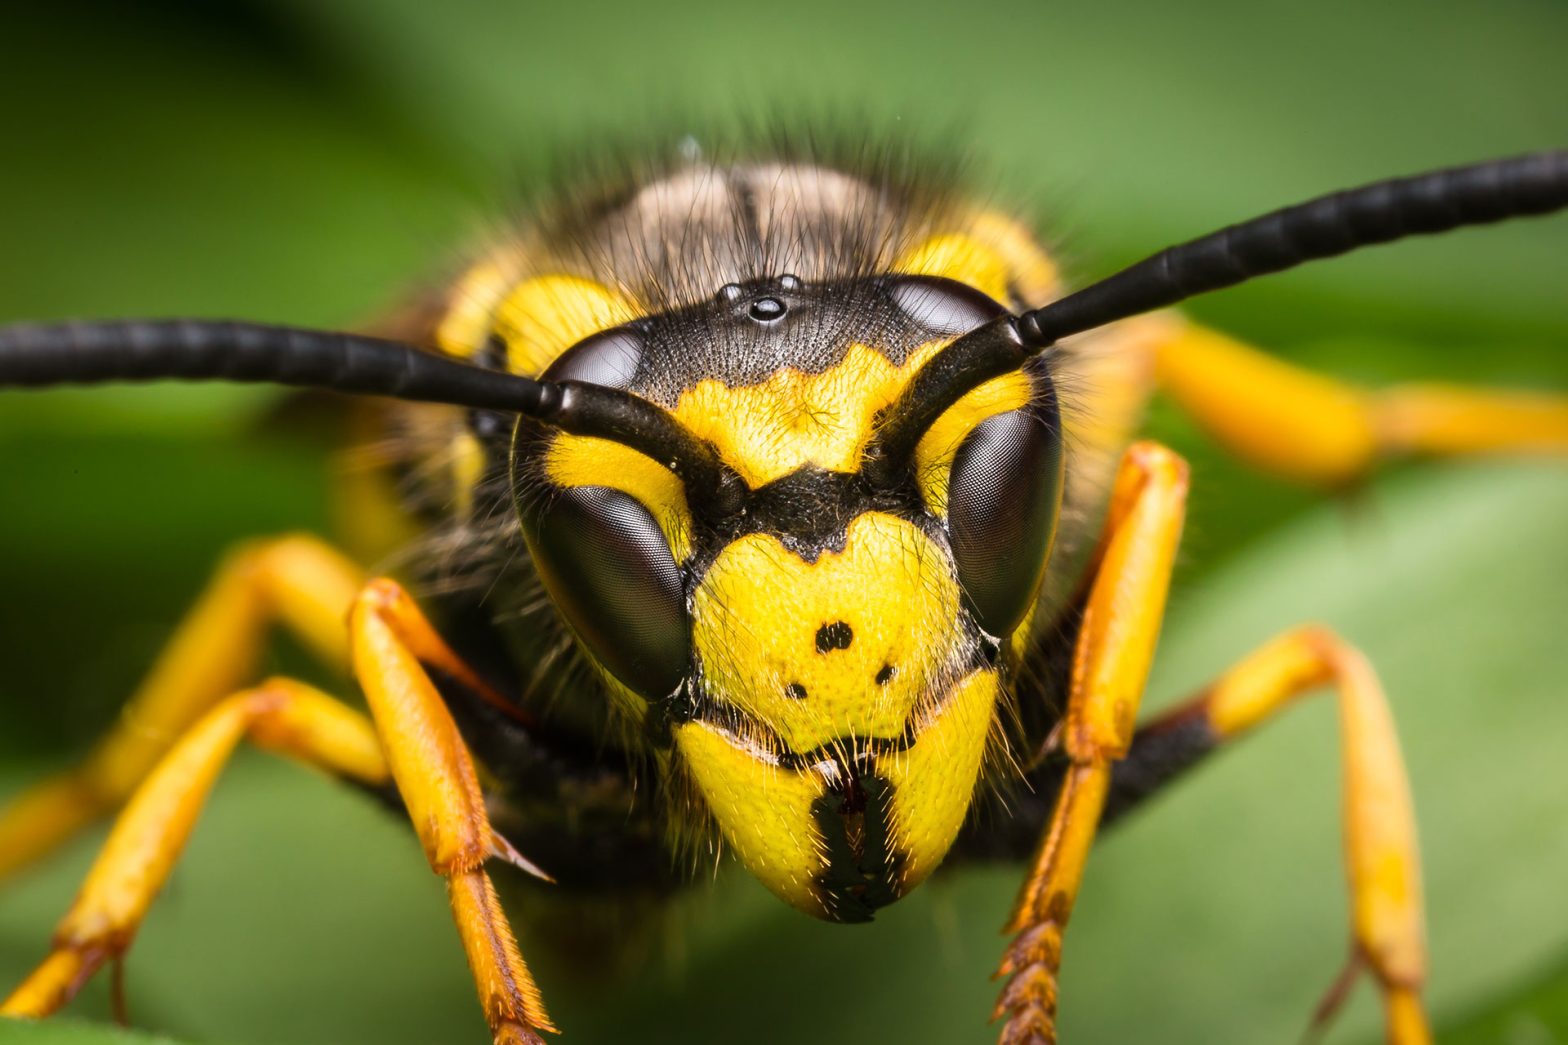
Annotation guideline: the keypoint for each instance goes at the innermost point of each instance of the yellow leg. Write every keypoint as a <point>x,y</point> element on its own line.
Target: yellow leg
<point>419,746</point>
<point>295,579</point>
<point>150,833</point>
<point>435,775</point>
<point>1115,647</point>
<point>1382,859</point>
<point>1314,429</point>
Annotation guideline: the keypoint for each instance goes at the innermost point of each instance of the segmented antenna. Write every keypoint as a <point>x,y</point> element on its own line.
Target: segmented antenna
<point>33,356</point>
<point>1320,228</point>
<point>196,350</point>
<point>87,353</point>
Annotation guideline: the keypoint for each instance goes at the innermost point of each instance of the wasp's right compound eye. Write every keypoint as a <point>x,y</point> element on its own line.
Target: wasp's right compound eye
<point>606,565</point>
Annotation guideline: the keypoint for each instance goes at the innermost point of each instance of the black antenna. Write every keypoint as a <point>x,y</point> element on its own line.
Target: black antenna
<point>33,356</point>
<point>1320,228</point>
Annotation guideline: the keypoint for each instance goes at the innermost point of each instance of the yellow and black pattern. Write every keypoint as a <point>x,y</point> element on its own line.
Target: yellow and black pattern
<point>815,672</point>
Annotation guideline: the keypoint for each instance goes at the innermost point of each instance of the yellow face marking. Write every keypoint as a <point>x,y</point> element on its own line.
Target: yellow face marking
<point>934,453</point>
<point>791,419</point>
<point>767,430</point>
<point>934,778</point>
<point>845,646</point>
<point>763,811</point>
<point>542,317</point>
<point>581,460</point>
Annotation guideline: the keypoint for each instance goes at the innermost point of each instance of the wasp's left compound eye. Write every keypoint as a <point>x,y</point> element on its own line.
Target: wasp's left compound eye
<point>1004,496</point>
<point>607,566</point>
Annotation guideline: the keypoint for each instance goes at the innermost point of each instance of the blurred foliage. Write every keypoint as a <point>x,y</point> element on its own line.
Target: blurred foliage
<point>306,162</point>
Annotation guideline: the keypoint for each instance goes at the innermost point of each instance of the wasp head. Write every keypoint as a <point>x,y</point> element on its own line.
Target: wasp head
<point>822,652</point>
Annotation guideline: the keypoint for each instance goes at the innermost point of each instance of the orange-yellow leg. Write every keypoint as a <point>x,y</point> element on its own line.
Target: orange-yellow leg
<point>414,740</point>
<point>1111,663</point>
<point>1382,860</point>
<point>1315,429</point>
<point>294,579</point>
<point>392,645</point>
<point>286,716</point>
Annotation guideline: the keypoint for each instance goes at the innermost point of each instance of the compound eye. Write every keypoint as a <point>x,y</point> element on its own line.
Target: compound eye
<point>608,358</point>
<point>1004,496</point>
<point>942,306</point>
<point>606,564</point>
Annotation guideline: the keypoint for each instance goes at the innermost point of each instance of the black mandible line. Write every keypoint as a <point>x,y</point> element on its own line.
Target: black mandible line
<point>38,355</point>
<point>1320,228</point>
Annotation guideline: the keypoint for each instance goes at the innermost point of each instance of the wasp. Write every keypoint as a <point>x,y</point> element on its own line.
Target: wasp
<point>781,507</point>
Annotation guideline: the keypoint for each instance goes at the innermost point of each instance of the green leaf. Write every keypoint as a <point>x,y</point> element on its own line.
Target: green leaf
<point>1536,1015</point>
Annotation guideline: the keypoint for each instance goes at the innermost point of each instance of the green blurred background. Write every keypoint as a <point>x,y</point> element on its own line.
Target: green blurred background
<point>304,161</point>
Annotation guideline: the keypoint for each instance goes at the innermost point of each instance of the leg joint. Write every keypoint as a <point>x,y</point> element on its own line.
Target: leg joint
<point>1283,669</point>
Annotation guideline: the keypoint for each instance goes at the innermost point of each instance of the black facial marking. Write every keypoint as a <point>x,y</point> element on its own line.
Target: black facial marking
<point>834,635</point>
<point>795,691</point>
<point>750,328</point>
<point>886,674</point>
<point>863,869</point>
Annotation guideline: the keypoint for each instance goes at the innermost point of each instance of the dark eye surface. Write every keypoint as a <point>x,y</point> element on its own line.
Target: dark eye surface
<point>609,358</point>
<point>1004,496</point>
<point>943,307</point>
<point>606,564</point>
